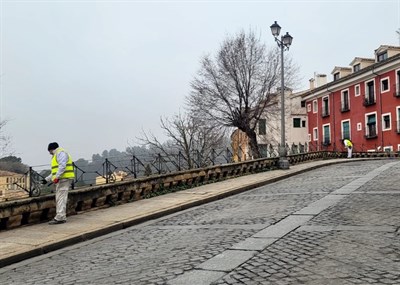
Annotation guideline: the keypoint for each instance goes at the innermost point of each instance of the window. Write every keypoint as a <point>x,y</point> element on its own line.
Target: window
<point>325,106</point>
<point>345,129</point>
<point>396,87</point>
<point>315,106</point>
<point>357,90</point>
<point>326,134</point>
<point>303,123</point>
<point>296,122</point>
<point>336,76</point>
<point>385,85</point>
<point>369,93</point>
<point>303,104</point>
<point>356,67</point>
<point>388,148</point>
<point>309,108</point>
<point>370,126</point>
<point>315,134</point>
<point>309,137</point>
<point>398,120</point>
<point>386,125</point>
<point>345,103</point>
<point>383,56</point>
<point>359,127</point>
<point>262,128</point>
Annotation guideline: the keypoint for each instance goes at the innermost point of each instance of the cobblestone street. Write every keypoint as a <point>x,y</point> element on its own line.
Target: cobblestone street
<point>333,225</point>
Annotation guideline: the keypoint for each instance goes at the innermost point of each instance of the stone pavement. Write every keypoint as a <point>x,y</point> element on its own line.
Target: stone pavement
<point>333,225</point>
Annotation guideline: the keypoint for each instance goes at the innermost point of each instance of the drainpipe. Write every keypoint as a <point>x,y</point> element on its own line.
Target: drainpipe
<point>333,108</point>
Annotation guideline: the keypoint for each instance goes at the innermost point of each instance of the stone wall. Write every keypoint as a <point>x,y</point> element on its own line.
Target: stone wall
<point>39,209</point>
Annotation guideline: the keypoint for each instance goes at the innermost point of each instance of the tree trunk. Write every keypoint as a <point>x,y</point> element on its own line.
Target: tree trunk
<point>253,143</point>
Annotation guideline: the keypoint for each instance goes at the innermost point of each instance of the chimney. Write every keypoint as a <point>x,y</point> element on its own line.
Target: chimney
<point>321,79</point>
<point>312,83</point>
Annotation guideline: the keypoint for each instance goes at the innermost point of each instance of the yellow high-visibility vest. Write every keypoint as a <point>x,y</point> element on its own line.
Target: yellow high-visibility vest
<point>348,143</point>
<point>69,168</point>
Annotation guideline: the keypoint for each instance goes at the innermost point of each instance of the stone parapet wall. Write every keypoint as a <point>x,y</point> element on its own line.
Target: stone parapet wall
<point>39,209</point>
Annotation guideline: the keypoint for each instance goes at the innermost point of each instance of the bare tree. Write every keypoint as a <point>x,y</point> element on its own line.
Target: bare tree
<point>5,141</point>
<point>187,136</point>
<point>235,88</point>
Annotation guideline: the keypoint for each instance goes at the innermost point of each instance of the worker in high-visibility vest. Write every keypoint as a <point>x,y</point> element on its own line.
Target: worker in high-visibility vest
<point>349,145</point>
<point>62,175</point>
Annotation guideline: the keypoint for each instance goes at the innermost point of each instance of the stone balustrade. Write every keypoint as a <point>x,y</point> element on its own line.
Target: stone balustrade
<point>40,209</point>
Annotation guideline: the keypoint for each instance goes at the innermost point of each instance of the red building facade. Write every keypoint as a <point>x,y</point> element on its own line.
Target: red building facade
<point>362,103</point>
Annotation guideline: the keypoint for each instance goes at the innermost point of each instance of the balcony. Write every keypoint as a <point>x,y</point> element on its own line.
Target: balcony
<point>345,107</point>
<point>396,89</point>
<point>326,142</point>
<point>371,132</point>
<point>369,100</point>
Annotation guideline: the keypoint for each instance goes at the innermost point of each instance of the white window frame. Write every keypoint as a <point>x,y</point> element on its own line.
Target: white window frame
<point>323,132</point>
<point>309,138</point>
<point>315,134</point>
<point>308,107</point>
<point>398,147</point>
<point>366,88</point>
<point>388,148</point>
<point>366,120</point>
<point>341,128</point>
<point>359,127</point>
<point>315,106</point>
<point>397,118</point>
<point>390,121</point>
<point>342,96</point>
<point>381,87</point>
<point>355,90</point>
<point>325,98</point>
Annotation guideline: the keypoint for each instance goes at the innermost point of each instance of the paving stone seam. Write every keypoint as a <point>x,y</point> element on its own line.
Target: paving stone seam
<point>286,225</point>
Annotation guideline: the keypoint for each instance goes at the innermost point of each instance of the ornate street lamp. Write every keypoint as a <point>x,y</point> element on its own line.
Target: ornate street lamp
<point>284,44</point>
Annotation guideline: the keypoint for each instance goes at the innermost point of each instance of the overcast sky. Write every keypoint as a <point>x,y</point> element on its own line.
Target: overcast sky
<point>92,74</point>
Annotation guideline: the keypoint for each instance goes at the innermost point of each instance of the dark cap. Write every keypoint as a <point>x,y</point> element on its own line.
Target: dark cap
<point>52,146</point>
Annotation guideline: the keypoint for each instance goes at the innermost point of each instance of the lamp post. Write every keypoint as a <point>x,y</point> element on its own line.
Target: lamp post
<point>284,44</point>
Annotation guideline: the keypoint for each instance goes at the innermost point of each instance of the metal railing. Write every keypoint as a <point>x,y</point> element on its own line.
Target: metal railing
<point>325,112</point>
<point>113,169</point>
<point>370,131</point>
<point>369,100</point>
<point>396,92</point>
<point>345,107</point>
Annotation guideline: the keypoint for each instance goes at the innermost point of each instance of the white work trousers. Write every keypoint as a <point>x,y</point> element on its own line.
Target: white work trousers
<point>62,188</point>
<point>349,152</point>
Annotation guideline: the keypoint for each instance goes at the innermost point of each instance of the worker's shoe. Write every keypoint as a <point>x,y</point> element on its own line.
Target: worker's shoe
<point>56,222</point>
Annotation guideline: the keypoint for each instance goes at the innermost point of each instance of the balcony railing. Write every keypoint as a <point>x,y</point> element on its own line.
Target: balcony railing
<point>369,100</point>
<point>345,107</point>
<point>326,141</point>
<point>370,132</point>
<point>396,92</point>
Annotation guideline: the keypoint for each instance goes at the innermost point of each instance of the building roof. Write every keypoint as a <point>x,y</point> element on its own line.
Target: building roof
<point>8,173</point>
<point>339,68</point>
<point>386,47</point>
<point>347,77</point>
<point>361,59</point>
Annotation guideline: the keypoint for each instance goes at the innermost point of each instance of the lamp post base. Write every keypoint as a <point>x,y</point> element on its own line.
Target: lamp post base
<point>283,163</point>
